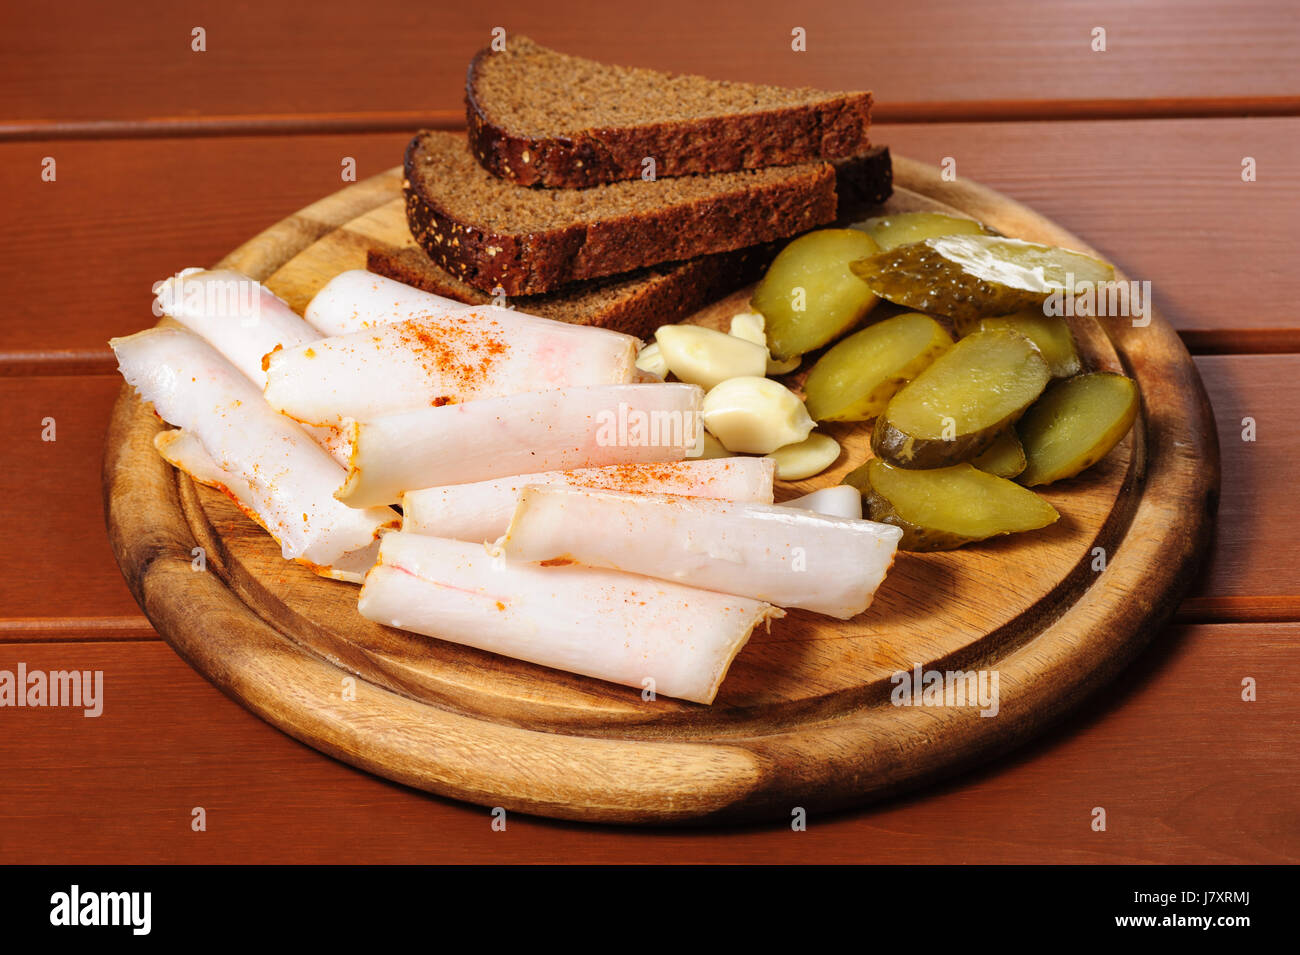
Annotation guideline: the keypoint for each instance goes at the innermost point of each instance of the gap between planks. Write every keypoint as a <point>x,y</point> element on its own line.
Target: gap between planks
<point>136,628</point>
<point>988,111</point>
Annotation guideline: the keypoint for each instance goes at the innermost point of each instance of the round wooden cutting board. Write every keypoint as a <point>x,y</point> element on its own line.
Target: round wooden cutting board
<point>805,718</point>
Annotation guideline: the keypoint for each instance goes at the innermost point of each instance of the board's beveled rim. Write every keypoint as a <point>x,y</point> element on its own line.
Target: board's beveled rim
<point>837,762</point>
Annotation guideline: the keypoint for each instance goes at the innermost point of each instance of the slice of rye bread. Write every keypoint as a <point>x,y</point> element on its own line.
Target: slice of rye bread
<point>639,302</point>
<point>537,117</point>
<point>493,234</point>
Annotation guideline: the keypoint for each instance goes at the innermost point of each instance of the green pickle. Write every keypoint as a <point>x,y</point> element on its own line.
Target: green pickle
<point>944,508</point>
<point>907,227</point>
<point>976,276</point>
<point>1050,333</point>
<point>856,377</point>
<point>958,406</point>
<point>1075,424</point>
<point>1005,457</point>
<point>809,297</point>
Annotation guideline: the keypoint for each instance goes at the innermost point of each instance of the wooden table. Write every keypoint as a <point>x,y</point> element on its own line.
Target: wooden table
<point>167,157</point>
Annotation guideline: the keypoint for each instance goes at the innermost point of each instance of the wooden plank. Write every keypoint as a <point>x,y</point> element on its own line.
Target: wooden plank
<point>55,561</point>
<point>1254,568</point>
<point>1186,771</point>
<point>122,215</point>
<point>1138,199</point>
<point>82,61</point>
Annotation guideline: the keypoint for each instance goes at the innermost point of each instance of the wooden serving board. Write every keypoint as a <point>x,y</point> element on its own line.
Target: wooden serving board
<point>804,719</point>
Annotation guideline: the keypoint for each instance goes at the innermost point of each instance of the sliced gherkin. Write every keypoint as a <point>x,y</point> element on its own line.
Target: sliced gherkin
<point>906,227</point>
<point>976,276</point>
<point>957,407</point>
<point>1050,333</point>
<point>856,377</point>
<point>1075,424</point>
<point>1004,457</point>
<point>943,508</point>
<point>808,296</point>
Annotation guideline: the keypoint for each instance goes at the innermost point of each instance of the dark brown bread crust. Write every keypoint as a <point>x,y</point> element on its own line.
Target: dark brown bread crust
<point>635,304</point>
<point>529,263</point>
<point>639,302</point>
<point>862,182</point>
<point>832,129</point>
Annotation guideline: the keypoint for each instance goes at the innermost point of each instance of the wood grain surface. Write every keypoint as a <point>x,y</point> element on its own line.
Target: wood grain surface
<point>168,158</point>
<point>931,59</point>
<point>804,719</point>
<point>1254,569</point>
<point>53,543</point>
<point>1186,770</point>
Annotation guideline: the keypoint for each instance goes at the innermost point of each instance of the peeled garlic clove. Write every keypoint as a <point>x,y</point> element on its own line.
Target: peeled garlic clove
<point>709,447</point>
<point>651,361</point>
<point>842,500</point>
<point>775,367</point>
<point>813,455</point>
<point>755,415</point>
<point>704,357</point>
<point>751,327</point>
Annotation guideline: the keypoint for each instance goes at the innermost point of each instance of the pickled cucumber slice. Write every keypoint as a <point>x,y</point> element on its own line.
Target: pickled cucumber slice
<point>953,410</point>
<point>808,296</point>
<point>1005,457</point>
<point>1075,424</point>
<point>944,508</point>
<point>976,276</point>
<point>1050,333</point>
<point>893,231</point>
<point>856,377</point>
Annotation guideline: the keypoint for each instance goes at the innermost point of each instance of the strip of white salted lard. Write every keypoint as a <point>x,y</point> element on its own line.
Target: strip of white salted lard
<point>236,315</point>
<point>244,321</point>
<point>355,300</point>
<point>535,431</point>
<point>599,623</point>
<point>838,500</point>
<point>782,555</point>
<point>481,511</point>
<point>289,479</point>
<point>455,357</point>
<point>182,450</point>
